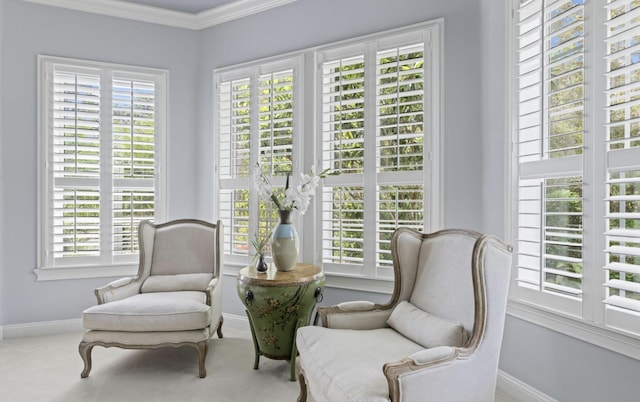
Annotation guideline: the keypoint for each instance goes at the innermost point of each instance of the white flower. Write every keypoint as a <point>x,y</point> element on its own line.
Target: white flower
<point>294,198</point>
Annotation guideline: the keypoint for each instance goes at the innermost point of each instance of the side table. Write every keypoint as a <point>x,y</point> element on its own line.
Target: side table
<point>277,304</point>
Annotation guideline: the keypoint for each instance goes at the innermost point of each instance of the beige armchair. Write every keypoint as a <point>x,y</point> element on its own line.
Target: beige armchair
<point>174,300</point>
<point>438,339</point>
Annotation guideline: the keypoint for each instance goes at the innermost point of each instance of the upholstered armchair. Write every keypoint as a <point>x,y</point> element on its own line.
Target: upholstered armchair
<point>174,300</point>
<point>438,338</point>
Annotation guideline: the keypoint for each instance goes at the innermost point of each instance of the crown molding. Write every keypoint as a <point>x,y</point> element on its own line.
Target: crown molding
<point>138,12</point>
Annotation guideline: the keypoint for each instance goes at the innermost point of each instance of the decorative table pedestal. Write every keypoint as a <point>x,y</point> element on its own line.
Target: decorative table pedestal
<point>277,304</point>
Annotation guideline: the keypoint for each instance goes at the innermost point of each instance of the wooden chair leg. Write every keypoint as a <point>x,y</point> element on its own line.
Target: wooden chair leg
<point>302,397</point>
<point>85,353</point>
<point>202,348</point>
<point>219,330</point>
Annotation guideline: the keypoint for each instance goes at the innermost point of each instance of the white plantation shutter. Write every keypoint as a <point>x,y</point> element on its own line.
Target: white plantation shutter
<point>100,134</point>
<point>399,143</point>
<point>373,116</point>
<point>623,166</point>
<point>256,119</point>
<point>133,152</point>
<point>576,162</point>
<point>75,152</point>
<point>550,84</point>
<point>234,108</point>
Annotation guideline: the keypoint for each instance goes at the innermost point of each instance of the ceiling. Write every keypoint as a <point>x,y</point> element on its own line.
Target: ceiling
<point>190,14</point>
<point>185,6</point>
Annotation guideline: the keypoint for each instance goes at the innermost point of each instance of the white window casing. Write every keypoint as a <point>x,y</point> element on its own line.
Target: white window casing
<point>373,105</point>
<point>575,177</point>
<point>101,146</point>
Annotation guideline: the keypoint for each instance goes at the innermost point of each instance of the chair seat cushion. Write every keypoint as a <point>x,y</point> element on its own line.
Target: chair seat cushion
<point>346,364</point>
<point>148,312</point>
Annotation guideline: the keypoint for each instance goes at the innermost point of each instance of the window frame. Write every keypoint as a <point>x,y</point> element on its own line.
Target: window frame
<point>114,267</point>
<point>253,70</point>
<point>430,34</point>
<point>588,324</point>
<point>310,115</point>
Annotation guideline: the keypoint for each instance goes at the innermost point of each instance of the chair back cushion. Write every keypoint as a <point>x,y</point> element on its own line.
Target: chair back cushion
<point>426,329</point>
<point>184,248</point>
<point>444,282</point>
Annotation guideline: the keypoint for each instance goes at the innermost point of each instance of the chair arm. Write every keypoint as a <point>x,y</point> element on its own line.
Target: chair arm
<point>118,290</point>
<point>213,291</point>
<point>445,373</point>
<point>355,315</point>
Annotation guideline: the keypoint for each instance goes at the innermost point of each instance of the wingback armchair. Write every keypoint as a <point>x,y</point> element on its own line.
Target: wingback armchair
<point>438,338</point>
<point>174,300</point>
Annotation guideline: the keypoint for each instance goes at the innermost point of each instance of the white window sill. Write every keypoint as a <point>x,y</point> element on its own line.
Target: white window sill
<point>332,280</point>
<point>588,332</point>
<point>55,274</point>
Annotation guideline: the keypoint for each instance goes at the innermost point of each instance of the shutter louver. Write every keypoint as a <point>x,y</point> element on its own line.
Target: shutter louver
<point>234,116</point>
<point>343,106</point>
<point>76,165</point>
<point>623,164</point>
<point>393,148</point>
<point>400,93</point>
<point>133,153</point>
<point>343,115</point>
<point>342,223</point>
<point>399,143</point>
<point>275,101</point>
<point>550,124</point>
<point>234,212</point>
<point>76,222</point>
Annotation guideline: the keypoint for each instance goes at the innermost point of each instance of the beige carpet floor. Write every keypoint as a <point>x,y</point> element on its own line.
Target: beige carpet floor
<point>47,368</point>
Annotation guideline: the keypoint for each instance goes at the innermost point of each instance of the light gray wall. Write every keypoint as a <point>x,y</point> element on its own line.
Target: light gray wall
<point>1,170</point>
<point>36,29</point>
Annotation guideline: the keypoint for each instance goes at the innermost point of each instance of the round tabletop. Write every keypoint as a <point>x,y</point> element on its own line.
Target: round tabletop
<point>301,274</point>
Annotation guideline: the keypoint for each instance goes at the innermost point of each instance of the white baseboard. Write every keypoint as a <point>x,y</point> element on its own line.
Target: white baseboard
<point>507,384</point>
<point>41,328</point>
<point>520,391</point>
<point>236,322</point>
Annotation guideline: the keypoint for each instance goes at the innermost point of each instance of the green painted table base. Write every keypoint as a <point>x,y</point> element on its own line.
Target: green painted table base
<point>277,304</point>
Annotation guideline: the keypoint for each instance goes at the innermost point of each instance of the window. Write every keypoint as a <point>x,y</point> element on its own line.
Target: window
<point>376,131</point>
<point>101,137</point>
<point>257,115</point>
<point>371,109</point>
<point>576,160</point>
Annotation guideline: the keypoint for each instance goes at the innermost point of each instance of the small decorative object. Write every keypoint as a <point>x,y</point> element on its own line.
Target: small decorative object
<point>284,242</point>
<point>262,265</point>
<point>259,244</point>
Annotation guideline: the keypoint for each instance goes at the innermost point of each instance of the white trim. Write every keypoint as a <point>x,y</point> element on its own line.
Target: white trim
<point>205,19</point>
<point>42,328</point>
<point>605,338</point>
<point>237,322</point>
<point>518,390</point>
<point>55,274</point>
